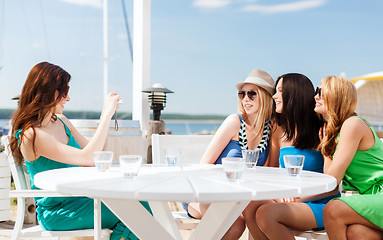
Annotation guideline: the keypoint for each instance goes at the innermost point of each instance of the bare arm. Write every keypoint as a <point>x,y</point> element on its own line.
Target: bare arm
<point>48,146</point>
<point>355,135</point>
<point>276,135</point>
<point>226,132</point>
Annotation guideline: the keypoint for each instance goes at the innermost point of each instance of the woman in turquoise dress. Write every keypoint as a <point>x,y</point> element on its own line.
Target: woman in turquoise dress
<point>248,129</point>
<point>44,139</point>
<point>296,134</point>
<point>353,154</point>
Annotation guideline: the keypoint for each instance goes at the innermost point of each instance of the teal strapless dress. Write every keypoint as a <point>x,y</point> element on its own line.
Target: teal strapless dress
<point>72,213</point>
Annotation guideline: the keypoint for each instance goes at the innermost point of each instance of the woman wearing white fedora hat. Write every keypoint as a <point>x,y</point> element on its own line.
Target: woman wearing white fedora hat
<point>248,129</point>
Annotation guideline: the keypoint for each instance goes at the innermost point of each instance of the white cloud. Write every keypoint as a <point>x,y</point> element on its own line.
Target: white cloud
<point>287,7</point>
<point>89,3</point>
<point>211,3</point>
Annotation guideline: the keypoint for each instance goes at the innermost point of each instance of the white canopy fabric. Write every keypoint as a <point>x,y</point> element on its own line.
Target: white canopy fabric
<point>370,98</point>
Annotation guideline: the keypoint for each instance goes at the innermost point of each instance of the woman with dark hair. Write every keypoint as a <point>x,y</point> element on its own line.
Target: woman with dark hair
<point>296,134</point>
<point>44,139</point>
<point>353,154</point>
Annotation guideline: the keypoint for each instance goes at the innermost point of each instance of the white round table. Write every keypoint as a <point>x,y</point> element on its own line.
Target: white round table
<point>192,183</point>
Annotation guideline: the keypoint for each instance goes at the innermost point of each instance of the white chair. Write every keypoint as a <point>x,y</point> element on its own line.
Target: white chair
<point>192,147</point>
<point>23,190</point>
<point>311,234</point>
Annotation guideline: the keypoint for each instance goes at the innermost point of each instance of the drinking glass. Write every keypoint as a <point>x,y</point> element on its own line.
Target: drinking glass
<point>102,160</point>
<point>233,167</point>
<point>130,165</point>
<point>251,157</point>
<point>294,164</point>
<point>172,155</point>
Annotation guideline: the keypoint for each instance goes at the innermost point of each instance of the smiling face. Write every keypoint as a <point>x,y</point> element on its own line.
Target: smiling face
<point>319,102</point>
<point>278,96</point>
<point>59,108</point>
<point>250,105</point>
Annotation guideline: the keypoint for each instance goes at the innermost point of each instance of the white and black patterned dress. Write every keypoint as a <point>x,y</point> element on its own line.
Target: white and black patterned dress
<point>234,148</point>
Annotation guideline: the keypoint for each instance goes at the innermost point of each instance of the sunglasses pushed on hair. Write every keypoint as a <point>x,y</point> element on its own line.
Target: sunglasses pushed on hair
<point>250,94</point>
<point>318,92</point>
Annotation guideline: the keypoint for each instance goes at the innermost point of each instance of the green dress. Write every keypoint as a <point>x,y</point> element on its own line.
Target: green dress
<point>365,175</point>
<point>71,213</point>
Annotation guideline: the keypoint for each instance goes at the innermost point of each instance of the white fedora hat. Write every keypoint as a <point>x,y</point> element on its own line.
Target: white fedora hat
<point>261,79</point>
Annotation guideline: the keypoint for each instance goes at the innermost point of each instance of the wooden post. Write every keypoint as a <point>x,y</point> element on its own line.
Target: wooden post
<point>30,211</point>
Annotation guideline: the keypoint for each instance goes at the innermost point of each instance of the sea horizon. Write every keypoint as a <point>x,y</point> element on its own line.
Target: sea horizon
<point>172,126</point>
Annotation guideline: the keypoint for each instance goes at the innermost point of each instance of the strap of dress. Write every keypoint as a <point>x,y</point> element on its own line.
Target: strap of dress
<point>242,134</point>
<point>369,125</point>
<point>67,131</point>
<point>265,137</point>
<point>17,136</point>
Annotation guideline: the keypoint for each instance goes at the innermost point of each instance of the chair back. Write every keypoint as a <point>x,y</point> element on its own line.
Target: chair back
<point>19,173</point>
<point>192,147</point>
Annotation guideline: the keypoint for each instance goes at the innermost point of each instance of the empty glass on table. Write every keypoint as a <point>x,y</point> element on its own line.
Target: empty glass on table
<point>233,167</point>
<point>130,165</point>
<point>294,164</point>
<point>102,160</point>
<point>251,157</point>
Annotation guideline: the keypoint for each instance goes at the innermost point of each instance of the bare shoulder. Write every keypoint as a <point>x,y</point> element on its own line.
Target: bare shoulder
<point>353,124</point>
<point>29,134</point>
<point>230,125</point>
<point>65,120</point>
<point>231,122</point>
<point>233,119</point>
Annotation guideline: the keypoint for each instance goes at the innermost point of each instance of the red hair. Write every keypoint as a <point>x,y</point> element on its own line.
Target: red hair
<point>44,87</point>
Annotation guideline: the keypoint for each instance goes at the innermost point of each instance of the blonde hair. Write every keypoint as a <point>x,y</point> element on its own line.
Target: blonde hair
<point>340,98</point>
<point>264,112</point>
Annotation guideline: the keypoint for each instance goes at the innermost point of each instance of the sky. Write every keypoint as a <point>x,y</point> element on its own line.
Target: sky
<point>200,49</point>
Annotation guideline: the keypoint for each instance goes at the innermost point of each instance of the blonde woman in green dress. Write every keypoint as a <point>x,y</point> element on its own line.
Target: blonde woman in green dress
<point>353,154</point>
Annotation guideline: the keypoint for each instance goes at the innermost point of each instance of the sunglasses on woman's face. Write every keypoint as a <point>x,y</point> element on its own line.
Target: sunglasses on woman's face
<point>318,92</point>
<point>250,94</point>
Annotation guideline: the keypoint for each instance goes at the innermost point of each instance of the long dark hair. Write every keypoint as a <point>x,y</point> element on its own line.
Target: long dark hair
<point>37,99</point>
<point>298,118</point>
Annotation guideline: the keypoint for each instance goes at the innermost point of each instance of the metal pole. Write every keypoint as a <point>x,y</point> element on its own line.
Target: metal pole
<point>106,57</point>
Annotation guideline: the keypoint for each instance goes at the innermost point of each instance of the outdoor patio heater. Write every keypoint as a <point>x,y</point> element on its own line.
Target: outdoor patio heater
<point>157,99</point>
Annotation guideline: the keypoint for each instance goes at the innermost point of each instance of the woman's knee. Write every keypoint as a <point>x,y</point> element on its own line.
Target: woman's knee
<point>251,209</point>
<point>333,210</point>
<point>355,231</point>
<point>265,216</point>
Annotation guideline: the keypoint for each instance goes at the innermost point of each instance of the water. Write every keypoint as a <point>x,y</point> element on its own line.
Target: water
<point>182,127</point>
<point>191,127</point>
<point>294,170</point>
<point>234,175</point>
<point>103,166</point>
<point>4,126</point>
<point>172,160</point>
